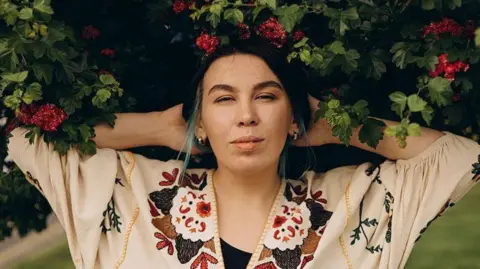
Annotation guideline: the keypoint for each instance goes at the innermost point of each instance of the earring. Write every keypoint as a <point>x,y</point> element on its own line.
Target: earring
<point>200,141</point>
<point>295,136</point>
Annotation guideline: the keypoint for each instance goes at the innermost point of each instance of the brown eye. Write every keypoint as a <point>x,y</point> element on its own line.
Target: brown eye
<point>266,97</point>
<point>223,99</point>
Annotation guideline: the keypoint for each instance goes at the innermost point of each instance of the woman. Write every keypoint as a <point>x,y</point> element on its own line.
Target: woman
<point>122,210</point>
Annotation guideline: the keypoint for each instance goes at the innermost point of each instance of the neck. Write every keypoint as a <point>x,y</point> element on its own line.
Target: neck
<point>258,188</point>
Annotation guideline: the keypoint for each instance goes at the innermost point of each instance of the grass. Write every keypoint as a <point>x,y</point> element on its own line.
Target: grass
<point>451,242</point>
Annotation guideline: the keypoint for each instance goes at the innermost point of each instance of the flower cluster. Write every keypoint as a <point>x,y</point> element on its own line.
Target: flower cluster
<point>448,26</point>
<point>207,43</point>
<point>244,31</point>
<point>90,33</point>
<point>449,69</point>
<point>181,5</point>
<point>298,35</point>
<point>108,52</point>
<point>273,31</point>
<point>48,117</point>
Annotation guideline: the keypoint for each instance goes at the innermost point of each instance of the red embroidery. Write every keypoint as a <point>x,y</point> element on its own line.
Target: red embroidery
<point>317,197</point>
<point>279,221</point>
<point>164,242</point>
<point>170,178</point>
<point>153,210</point>
<point>306,260</point>
<point>202,260</point>
<point>204,209</point>
<point>268,265</point>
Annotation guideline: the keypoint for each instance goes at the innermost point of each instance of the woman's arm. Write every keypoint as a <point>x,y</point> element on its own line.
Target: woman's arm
<point>166,128</point>
<point>321,134</point>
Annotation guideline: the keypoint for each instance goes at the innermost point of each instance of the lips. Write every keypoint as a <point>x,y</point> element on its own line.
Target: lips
<point>248,139</point>
<point>247,143</point>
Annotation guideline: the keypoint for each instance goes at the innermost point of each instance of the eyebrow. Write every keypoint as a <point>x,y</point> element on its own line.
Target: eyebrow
<point>256,87</point>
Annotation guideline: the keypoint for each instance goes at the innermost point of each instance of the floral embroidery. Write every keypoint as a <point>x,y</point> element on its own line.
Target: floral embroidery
<point>296,228</point>
<point>203,260</point>
<point>110,218</point>
<point>182,215</point>
<point>360,230</point>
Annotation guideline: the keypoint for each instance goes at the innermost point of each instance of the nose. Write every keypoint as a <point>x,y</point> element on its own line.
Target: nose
<point>247,115</point>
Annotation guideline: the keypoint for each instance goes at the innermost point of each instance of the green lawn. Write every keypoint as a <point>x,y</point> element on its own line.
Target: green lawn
<point>451,242</point>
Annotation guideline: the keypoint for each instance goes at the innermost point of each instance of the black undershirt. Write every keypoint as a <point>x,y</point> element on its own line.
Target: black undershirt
<point>234,258</point>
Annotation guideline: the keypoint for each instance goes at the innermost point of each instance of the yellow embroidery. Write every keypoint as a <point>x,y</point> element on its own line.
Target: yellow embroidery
<point>340,238</point>
<point>131,161</point>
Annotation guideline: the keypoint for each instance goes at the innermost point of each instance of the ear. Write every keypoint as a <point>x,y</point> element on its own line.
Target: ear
<point>200,131</point>
<point>293,128</point>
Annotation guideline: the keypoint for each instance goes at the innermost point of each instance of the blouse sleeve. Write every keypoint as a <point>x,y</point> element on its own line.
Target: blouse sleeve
<point>427,185</point>
<point>77,187</point>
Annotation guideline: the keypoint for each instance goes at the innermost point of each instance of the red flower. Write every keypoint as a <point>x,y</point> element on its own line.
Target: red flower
<point>90,32</point>
<point>179,6</point>
<point>108,52</point>
<point>273,31</point>
<point>445,26</point>
<point>26,113</point>
<point>279,221</point>
<point>204,209</point>
<point>449,69</point>
<point>298,35</point>
<point>244,31</point>
<point>207,43</point>
<point>164,243</point>
<point>48,117</point>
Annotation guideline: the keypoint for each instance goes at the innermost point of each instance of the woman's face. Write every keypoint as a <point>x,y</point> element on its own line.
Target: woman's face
<point>246,114</point>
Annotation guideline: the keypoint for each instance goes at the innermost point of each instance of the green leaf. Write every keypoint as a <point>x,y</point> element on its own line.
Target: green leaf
<point>43,6</point>
<point>272,4</point>
<point>216,9</point>
<point>332,104</point>
<point>26,13</point>
<point>88,148</point>
<point>289,16</point>
<point>305,56</point>
<point>233,15</point>
<point>427,114</point>
<point>399,100</point>
<point>349,61</point>
<point>391,130</point>
<point>414,129</point>
<point>85,132</point>
<point>107,79</point>
<point>317,59</point>
<point>15,77</point>
<point>11,14</point>
<point>101,97</point>
<point>440,91</point>
<point>33,93</point>
<point>428,4</point>
<point>349,14</point>
<point>337,47</point>
<point>214,19</point>
<point>416,103</point>
<point>301,43</point>
<point>403,54</point>
<point>371,132</point>
<point>43,71</point>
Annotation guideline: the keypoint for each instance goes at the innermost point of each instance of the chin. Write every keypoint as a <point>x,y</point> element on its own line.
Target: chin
<point>249,164</point>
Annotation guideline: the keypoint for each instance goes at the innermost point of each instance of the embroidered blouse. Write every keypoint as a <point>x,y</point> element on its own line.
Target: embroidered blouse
<point>122,210</point>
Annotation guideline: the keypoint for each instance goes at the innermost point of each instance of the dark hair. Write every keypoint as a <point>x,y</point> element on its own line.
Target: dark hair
<point>292,75</point>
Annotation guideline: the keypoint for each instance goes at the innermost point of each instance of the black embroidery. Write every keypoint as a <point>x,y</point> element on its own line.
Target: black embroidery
<point>119,181</point>
<point>287,258</point>
<point>164,199</point>
<point>318,215</point>
<point>186,248</point>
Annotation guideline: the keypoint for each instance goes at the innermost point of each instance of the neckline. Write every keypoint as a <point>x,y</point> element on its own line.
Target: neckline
<point>216,237</point>
<point>232,247</point>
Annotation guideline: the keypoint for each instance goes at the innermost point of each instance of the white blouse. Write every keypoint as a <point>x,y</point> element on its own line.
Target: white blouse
<point>122,210</point>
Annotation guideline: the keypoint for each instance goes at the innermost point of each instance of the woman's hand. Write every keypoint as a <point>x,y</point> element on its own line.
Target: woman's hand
<point>174,129</point>
<point>319,132</point>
